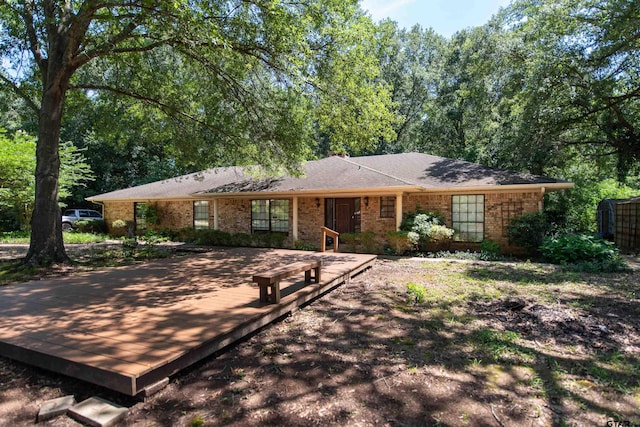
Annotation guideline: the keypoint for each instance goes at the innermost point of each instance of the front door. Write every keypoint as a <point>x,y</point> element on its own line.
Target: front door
<point>345,217</point>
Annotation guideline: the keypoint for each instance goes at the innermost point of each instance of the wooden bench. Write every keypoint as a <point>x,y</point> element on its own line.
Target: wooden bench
<point>271,279</point>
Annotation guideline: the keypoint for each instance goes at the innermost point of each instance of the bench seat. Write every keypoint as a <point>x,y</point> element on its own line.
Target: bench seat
<point>271,278</point>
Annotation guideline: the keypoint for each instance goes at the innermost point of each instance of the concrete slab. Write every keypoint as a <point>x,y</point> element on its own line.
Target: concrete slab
<point>54,407</point>
<point>98,412</point>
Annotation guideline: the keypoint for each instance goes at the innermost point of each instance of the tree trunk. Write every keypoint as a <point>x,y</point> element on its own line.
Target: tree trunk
<point>46,245</point>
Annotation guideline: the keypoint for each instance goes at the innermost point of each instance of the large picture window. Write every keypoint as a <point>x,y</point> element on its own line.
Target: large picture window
<point>467,214</point>
<point>387,207</point>
<point>270,216</point>
<point>201,214</point>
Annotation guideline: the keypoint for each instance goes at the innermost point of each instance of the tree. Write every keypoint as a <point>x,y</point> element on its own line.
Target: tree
<point>259,59</point>
<point>582,60</point>
<point>17,182</point>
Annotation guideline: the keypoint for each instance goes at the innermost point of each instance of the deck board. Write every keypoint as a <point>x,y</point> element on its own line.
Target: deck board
<point>127,327</point>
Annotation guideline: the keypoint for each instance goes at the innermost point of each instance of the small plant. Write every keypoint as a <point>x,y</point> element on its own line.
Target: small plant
<point>417,294</point>
<point>197,421</point>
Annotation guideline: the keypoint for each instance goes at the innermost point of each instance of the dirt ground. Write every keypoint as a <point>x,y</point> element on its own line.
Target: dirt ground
<point>484,344</point>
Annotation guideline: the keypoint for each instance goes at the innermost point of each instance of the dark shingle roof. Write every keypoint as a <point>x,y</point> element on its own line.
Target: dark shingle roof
<point>414,171</point>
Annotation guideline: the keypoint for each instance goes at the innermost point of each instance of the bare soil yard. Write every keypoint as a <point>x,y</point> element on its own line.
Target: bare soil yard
<point>407,343</point>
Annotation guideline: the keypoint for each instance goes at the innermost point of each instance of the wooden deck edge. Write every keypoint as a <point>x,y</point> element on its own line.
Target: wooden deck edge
<point>58,365</point>
<point>210,347</point>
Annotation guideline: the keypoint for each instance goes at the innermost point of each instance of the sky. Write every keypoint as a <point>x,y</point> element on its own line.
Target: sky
<point>444,16</point>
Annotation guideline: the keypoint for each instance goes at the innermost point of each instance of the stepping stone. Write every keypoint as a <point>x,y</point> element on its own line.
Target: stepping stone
<point>54,407</point>
<point>98,412</point>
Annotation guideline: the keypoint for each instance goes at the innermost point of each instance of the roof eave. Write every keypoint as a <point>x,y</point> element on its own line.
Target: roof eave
<point>351,192</point>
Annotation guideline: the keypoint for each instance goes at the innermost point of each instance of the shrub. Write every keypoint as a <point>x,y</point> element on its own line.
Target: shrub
<point>399,241</point>
<point>424,227</point>
<point>95,227</point>
<point>302,246</point>
<point>364,242</point>
<point>490,247</point>
<point>585,253</point>
<point>528,231</point>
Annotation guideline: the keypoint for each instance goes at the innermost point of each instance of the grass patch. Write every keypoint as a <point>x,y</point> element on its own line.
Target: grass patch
<point>500,346</point>
<point>23,237</point>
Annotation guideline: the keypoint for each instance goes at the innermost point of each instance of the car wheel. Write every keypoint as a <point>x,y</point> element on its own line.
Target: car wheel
<point>66,226</point>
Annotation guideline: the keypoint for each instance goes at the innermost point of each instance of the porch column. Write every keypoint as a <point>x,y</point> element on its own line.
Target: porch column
<point>215,214</point>
<point>294,230</point>
<point>541,202</point>
<point>398,211</point>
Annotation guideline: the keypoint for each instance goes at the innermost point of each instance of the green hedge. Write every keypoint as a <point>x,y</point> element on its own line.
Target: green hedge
<point>222,238</point>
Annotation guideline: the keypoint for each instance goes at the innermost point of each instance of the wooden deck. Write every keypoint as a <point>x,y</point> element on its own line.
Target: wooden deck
<point>128,328</point>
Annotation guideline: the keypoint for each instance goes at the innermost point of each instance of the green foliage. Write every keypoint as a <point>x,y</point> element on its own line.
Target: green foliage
<point>18,236</point>
<point>425,227</point>
<point>399,241</point>
<point>579,205</point>
<point>528,231</point>
<point>302,246</point>
<point>490,247</point>
<point>17,180</point>
<point>365,242</point>
<point>151,214</point>
<point>583,252</point>
<point>416,293</point>
<point>24,236</point>
<point>75,237</point>
<point>222,238</point>
<point>89,226</point>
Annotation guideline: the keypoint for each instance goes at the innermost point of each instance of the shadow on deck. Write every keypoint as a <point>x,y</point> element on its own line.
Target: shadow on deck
<point>128,328</point>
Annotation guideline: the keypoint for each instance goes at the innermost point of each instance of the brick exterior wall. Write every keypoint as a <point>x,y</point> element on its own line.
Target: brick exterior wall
<point>310,219</point>
<point>234,215</point>
<point>175,215</point>
<point>117,210</point>
<point>370,219</point>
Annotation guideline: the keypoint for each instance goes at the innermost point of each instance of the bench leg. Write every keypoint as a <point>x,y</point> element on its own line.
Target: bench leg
<point>307,276</point>
<point>275,293</point>
<point>263,293</point>
<point>317,272</point>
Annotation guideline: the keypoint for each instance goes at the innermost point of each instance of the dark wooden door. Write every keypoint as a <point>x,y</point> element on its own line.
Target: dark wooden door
<point>345,215</point>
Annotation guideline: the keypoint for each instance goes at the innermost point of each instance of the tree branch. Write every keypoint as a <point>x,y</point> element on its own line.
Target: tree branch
<point>20,93</point>
<point>34,45</point>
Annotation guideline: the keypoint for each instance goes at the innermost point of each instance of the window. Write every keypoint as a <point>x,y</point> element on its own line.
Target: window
<point>140,210</point>
<point>270,216</point>
<point>387,207</point>
<point>467,213</point>
<point>201,215</point>
<point>509,211</point>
